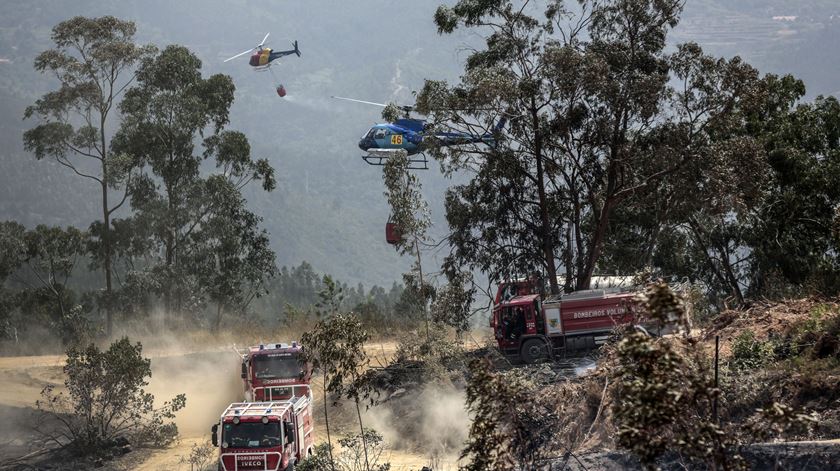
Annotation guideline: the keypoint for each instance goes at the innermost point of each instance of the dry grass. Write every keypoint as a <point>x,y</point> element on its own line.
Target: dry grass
<point>765,320</point>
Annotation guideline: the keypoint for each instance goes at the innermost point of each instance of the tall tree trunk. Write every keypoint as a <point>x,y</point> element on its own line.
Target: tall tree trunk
<point>362,429</point>
<point>422,287</point>
<point>567,260</point>
<point>327,422</point>
<point>595,246</point>
<point>728,276</point>
<point>167,289</point>
<point>580,247</point>
<point>218,323</point>
<point>545,228</point>
<point>169,244</point>
<point>106,233</point>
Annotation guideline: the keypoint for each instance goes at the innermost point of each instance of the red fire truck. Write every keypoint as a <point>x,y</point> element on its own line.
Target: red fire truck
<point>272,372</point>
<point>264,435</point>
<point>534,329</point>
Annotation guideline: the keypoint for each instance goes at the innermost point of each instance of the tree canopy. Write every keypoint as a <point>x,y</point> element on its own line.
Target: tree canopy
<point>92,60</point>
<point>609,135</point>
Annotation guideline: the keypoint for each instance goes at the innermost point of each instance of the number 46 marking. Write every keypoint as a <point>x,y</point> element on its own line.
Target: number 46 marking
<point>396,139</point>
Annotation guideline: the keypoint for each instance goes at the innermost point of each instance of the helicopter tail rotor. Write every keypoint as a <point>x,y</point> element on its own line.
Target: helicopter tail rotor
<point>297,51</point>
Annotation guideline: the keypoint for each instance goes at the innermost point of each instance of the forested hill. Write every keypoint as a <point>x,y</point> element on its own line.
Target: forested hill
<point>328,207</point>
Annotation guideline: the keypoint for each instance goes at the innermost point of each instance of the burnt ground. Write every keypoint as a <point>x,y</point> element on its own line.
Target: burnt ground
<point>791,456</point>
<point>17,438</point>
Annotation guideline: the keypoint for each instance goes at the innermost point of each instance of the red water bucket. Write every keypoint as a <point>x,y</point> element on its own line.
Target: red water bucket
<point>392,233</point>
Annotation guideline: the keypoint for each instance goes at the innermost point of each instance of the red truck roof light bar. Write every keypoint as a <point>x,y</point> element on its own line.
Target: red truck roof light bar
<point>261,409</point>
<point>275,346</point>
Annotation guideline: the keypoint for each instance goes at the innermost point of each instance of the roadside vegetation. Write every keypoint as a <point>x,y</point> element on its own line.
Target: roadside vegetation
<point>656,398</point>
<point>102,411</point>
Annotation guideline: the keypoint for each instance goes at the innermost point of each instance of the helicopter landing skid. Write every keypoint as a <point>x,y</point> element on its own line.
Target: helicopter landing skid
<point>413,163</point>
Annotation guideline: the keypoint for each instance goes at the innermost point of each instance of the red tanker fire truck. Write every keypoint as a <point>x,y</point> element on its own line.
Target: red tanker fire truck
<point>272,372</point>
<point>264,435</point>
<point>534,329</point>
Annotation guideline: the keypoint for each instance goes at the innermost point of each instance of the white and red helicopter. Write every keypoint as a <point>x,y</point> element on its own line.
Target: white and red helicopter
<point>263,57</point>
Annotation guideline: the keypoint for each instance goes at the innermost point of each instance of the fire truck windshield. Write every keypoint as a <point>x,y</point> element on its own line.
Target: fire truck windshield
<point>277,365</point>
<point>251,435</point>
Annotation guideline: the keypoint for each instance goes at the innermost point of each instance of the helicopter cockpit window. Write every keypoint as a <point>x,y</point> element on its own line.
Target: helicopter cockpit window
<point>379,134</point>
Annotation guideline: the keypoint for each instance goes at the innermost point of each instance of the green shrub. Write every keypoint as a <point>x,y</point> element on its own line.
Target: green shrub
<point>665,394</point>
<point>435,351</point>
<point>351,457</point>
<point>819,335</point>
<point>318,461</point>
<point>749,353</point>
<point>104,403</point>
<point>202,457</point>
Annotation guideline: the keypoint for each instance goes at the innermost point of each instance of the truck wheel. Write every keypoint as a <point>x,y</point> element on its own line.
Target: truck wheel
<point>534,351</point>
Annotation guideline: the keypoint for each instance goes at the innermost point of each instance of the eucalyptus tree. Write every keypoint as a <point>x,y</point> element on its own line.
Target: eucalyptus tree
<point>336,345</point>
<point>753,217</point>
<point>51,256</point>
<point>410,214</point>
<point>40,263</point>
<point>790,236</point>
<point>12,257</point>
<point>164,115</point>
<point>50,259</point>
<point>599,112</point>
<point>92,62</point>
<point>232,257</point>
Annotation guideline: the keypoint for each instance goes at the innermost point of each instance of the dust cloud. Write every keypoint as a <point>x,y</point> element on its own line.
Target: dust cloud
<point>197,363</point>
<point>432,420</point>
<point>209,379</point>
<point>425,422</point>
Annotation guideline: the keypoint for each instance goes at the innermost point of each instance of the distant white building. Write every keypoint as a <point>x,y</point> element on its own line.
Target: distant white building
<point>785,18</point>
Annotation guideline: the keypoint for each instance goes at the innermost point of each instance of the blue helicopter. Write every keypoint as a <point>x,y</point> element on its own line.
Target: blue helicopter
<point>409,135</point>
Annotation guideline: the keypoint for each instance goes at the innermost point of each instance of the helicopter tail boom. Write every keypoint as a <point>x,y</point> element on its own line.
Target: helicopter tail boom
<point>488,138</point>
<point>456,138</point>
<point>501,124</point>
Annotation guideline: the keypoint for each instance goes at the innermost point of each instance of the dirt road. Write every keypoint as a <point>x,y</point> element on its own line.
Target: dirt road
<point>211,381</point>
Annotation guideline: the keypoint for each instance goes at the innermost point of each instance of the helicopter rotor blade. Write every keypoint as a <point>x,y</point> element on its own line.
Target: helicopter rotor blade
<point>240,54</point>
<point>405,108</point>
<point>263,41</point>
<point>383,105</point>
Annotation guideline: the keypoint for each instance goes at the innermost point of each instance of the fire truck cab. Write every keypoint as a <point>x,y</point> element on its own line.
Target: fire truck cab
<point>272,372</point>
<point>264,435</point>
<point>534,329</point>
